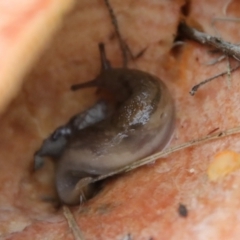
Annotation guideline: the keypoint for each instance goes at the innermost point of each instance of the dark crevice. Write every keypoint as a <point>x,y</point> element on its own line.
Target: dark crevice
<point>185,9</point>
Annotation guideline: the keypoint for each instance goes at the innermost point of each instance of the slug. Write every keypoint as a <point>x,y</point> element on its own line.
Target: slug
<point>107,137</point>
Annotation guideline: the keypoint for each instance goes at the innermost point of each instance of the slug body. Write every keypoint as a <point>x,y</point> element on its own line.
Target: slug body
<point>104,139</point>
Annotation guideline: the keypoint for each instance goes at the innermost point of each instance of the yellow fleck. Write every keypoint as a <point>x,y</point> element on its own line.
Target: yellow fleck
<point>223,164</point>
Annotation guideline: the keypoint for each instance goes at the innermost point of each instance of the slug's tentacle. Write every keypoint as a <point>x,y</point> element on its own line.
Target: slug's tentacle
<point>106,65</point>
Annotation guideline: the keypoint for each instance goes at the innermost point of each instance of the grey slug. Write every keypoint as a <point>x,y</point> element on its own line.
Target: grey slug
<point>107,136</point>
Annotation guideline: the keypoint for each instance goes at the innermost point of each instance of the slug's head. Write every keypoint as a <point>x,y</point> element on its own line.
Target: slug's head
<point>109,82</point>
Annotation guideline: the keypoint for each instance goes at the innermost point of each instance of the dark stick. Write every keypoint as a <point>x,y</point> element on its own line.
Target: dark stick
<point>116,27</point>
<point>227,48</point>
<point>195,88</point>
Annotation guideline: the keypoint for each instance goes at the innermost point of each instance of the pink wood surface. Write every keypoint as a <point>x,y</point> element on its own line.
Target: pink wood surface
<point>142,204</point>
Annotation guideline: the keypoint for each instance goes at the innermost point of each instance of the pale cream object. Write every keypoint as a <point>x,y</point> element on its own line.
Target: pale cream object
<point>25,28</point>
<point>224,163</point>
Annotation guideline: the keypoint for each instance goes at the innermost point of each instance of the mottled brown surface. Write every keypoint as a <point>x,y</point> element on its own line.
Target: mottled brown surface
<point>142,203</point>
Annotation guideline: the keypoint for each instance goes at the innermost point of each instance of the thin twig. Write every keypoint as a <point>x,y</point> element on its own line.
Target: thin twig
<point>196,87</point>
<point>166,152</point>
<point>226,7</point>
<point>122,44</point>
<point>219,59</point>
<point>226,19</point>
<point>72,224</point>
<point>229,76</point>
<point>228,48</point>
<point>223,19</point>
